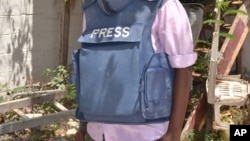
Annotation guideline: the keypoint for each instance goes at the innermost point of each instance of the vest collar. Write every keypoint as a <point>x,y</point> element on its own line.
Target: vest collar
<point>111,7</point>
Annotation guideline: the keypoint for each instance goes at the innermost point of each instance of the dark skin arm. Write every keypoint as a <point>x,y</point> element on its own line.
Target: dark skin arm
<point>182,83</point>
<point>82,131</point>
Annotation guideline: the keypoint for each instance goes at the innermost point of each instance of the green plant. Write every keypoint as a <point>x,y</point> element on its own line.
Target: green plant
<point>224,7</point>
<point>59,79</point>
<point>201,65</point>
<point>234,114</point>
<point>3,86</point>
<point>44,108</point>
<point>196,135</point>
<point>11,92</point>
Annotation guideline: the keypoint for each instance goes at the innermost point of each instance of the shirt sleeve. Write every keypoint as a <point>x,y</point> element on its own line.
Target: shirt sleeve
<point>171,32</point>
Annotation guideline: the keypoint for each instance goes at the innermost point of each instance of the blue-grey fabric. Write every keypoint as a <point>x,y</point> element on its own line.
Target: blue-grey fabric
<point>113,6</point>
<point>195,13</point>
<point>119,78</point>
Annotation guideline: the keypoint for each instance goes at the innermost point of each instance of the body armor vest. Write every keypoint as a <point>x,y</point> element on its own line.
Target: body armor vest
<point>119,78</point>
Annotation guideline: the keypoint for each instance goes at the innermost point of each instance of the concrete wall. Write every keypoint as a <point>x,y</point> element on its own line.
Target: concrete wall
<point>30,38</point>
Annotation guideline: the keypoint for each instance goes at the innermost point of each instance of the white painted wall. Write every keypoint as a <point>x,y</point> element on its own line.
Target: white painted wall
<point>30,38</point>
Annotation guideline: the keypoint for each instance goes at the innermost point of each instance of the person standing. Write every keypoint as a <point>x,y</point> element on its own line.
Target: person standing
<point>171,34</point>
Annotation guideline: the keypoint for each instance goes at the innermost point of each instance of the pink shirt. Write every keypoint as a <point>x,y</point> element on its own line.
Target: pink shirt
<point>171,32</point>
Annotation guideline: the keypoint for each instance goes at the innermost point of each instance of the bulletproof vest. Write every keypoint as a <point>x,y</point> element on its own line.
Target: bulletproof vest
<point>119,77</point>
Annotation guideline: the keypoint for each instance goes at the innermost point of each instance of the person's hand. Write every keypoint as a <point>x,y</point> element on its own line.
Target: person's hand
<point>170,137</point>
<point>167,138</point>
<point>81,132</point>
<point>80,136</point>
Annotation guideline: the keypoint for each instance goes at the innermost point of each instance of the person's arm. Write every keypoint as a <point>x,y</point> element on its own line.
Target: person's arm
<point>175,36</point>
<point>82,131</point>
<point>182,83</point>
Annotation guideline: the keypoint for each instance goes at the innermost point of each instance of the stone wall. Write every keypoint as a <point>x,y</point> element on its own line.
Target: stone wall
<point>30,38</point>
